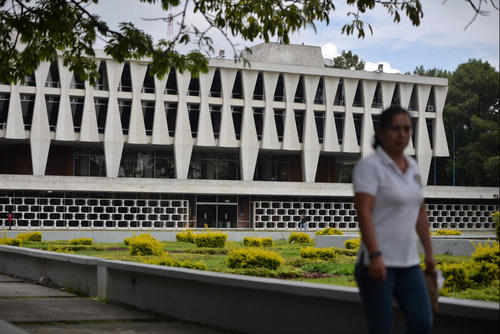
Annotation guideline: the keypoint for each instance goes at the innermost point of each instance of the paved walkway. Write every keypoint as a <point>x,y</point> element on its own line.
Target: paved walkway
<point>32,308</point>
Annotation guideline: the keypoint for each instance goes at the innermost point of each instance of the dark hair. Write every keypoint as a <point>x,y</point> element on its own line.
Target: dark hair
<point>385,120</point>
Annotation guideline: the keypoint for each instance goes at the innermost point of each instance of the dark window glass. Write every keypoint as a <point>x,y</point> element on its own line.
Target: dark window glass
<point>430,130</point>
<point>299,93</point>
<point>171,111</point>
<point>215,116</point>
<point>148,86</point>
<point>396,97</point>
<point>148,111</point>
<point>126,80</point>
<point>258,93</point>
<point>238,87</point>
<point>299,122</point>
<point>29,80</point>
<point>76,82</point>
<point>90,162</point>
<point>377,98</point>
<point>339,124</point>
<point>214,166</point>
<point>216,88</point>
<point>279,119</point>
<point>27,105</point>
<point>4,108</point>
<point>358,120</point>
<point>431,104</point>
<point>358,97</point>
<point>101,110</point>
<point>125,106</point>
<point>53,76</point>
<point>194,115</point>
<point>52,104</point>
<point>237,116</point>
<point>258,117</point>
<point>319,98</point>
<point>171,87</point>
<point>339,95</point>
<point>102,81</point>
<point>413,99</point>
<point>414,121</point>
<point>319,116</point>
<point>146,163</point>
<point>76,104</point>
<point>194,87</point>
<point>279,94</point>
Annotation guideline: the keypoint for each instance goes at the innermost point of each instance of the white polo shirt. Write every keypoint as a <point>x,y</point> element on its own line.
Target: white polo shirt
<point>398,198</point>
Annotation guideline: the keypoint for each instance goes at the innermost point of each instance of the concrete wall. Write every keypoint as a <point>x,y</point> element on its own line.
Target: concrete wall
<point>452,245</point>
<point>246,304</point>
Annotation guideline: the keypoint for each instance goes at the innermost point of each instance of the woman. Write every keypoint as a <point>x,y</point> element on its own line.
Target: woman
<point>389,201</point>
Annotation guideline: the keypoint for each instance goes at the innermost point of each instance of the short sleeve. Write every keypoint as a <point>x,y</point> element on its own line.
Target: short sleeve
<point>364,178</point>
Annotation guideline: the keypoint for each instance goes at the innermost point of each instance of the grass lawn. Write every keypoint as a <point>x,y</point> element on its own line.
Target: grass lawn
<point>334,272</point>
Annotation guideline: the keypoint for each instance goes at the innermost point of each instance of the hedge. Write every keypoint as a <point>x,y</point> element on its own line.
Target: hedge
<point>253,258</point>
<point>30,237</point>
<point>352,244</point>
<point>11,242</point>
<point>165,260</point>
<point>318,253</point>
<point>145,244</point>
<point>330,231</point>
<point>447,232</point>
<point>299,238</point>
<point>185,236</point>
<point>210,239</point>
<point>82,241</point>
<point>258,242</point>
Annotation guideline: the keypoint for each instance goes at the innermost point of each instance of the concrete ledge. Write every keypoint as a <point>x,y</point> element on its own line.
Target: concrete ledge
<point>246,304</point>
<point>452,245</point>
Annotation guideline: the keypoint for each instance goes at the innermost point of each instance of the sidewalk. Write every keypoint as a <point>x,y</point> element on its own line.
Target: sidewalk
<point>32,308</point>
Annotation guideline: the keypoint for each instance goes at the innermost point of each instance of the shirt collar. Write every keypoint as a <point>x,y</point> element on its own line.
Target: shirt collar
<point>386,159</point>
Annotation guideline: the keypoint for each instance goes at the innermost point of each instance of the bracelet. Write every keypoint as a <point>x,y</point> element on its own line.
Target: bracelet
<point>375,254</point>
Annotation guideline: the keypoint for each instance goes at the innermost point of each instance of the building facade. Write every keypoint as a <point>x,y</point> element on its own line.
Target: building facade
<point>237,147</point>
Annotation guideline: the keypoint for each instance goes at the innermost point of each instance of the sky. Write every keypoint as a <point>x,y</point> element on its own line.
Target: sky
<point>440,41</point>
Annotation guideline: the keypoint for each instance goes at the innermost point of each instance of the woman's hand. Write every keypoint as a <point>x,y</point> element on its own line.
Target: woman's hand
<point>430,264</point>
<point>376,268</point>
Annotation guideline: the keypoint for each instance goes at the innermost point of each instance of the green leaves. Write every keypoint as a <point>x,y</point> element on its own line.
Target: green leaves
<point>348,60</point>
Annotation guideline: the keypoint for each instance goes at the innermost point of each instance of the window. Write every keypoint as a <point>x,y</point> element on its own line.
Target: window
<point>171,111</point>
<point>377,98</point>
<point>237,116</point>
<point>279,94</point>
<point>258,93</point>
<point>339,95</point>
<point>339,124</point>
<point>76,82</point>
<point>431,104</point>
<point>90,162</point>
<point>52,103</point>
<point>319,117</point>
<point>358,97</point>
<point>238,87</point>
<point>215,116</point>
<point>4,108</point>
<point>358,121</point>
<point>413,100</point>
<point>171,87</point>
<point>101,111</point>
<point>214,166</point>
<point>216,88</point>
<point>299,122</point>
<point>76,104</point>
<point>194,87</point>
<point>258,117</point>
<point>102,81</point>
<point>194,114</point>
<point>148,86</point>
<point>396,97</point>
<point>279,119</point>
<point>430,130</point>
<point>148,112</point>
<point>147,163</point>
<point>27,105</point>
<point>126,80</point>
<point>319,98</point>
<point>299,93</point>
<point>124,107</point>
<point>53,76</point>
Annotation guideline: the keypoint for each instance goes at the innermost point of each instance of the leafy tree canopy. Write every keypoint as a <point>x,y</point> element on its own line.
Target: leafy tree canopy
<point>348,60</point>
<point>45,27</point>
<point>471,112</point>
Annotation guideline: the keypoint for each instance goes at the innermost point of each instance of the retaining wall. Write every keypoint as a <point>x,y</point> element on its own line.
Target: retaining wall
<point>241,303</point>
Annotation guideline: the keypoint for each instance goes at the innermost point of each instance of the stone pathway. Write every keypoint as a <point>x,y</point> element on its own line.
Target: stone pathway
<point>31,308</point>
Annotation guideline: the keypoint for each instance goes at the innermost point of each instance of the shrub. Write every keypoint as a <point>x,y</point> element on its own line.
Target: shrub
<point>299,238</point>
<point>352,244</point>
<point>448,232</point>
<point>345,251</point>
<point>82,241</point>
<point>126,241</point>
<point>165,260</point>
<point>330,231</point>
<point>318,253</point>
<point>483,273</point>
<point>11,242</point>
<point>496,219</point>
<point>185,236</point>
<point>253,258</point>
<point>68,248</point>
<point>485,252</point>
<point>30,237</point>
<point>456,276</point>
<point>258,242</point>
<point>145,244</point>
<point>210,251</point>
<point>210,239</point>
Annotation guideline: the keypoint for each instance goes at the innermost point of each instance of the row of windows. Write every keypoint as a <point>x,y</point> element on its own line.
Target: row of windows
<point>148,86</point>
<point>148,109</point>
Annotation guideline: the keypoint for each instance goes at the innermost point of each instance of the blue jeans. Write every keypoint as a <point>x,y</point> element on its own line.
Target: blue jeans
<point>407,286</point>
<point>303,226</point>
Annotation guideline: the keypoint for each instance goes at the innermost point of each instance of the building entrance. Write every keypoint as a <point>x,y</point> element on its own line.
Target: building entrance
<point>216,215</point>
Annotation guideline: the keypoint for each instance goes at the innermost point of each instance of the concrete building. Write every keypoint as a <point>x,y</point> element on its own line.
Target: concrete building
<point>237,147</point>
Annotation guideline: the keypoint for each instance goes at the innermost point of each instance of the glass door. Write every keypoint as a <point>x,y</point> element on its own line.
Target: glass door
<point>206,214</point>
<point>227,215</point>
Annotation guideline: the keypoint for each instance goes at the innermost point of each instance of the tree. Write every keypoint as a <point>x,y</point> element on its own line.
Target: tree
<point>471,112</point>
<point>432,72</point>
<point>348,60</point>
<point>34,31</point>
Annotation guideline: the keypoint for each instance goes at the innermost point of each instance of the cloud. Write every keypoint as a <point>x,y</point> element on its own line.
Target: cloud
<point>329,50</point>
<point>370,67</point>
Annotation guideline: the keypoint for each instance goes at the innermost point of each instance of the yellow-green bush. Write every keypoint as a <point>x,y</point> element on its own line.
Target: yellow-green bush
<point>470,274</point>
<point>67,248</point>
<point>210,239</point>
<point>82,241</point>
<point>329,231</point>
<point>483,273</point>
<point>10,242</point>
<point>318,253</point>
<point>126,241</point>
<point>456,276</point>
<point>485,252</point>
<point>30,236</point>
<point>447,232</point>
<point>254,258</point>
<point>145,244</point>
<point>299,238</point>
<point>258,242</point>
<point>352,244</point>
<point>496,219</point>
<point>168,261</point>
<point>185,236</point>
